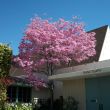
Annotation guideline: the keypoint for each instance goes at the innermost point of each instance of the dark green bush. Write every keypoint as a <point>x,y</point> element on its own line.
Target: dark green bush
<point>5,65</point>
<point>5,60</point>
<point>70,104</point>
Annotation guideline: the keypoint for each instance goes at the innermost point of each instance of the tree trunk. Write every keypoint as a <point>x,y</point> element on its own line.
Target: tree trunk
<point>50,71</point>
<point>51,88</point>
<point>52,99</point>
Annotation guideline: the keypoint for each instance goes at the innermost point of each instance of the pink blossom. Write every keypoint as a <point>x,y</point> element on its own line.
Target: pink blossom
<point>47,44</point>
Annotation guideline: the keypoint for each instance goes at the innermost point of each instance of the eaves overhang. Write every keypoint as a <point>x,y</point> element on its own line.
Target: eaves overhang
<point>94,69</point>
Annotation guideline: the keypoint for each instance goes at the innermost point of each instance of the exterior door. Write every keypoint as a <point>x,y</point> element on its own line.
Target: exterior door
<point>98,93</point>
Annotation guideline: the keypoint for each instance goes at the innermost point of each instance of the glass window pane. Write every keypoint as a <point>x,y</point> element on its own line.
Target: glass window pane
<point>22,93</point>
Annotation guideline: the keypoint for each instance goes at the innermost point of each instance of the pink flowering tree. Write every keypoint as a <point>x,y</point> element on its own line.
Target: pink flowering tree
<point>47,45</point>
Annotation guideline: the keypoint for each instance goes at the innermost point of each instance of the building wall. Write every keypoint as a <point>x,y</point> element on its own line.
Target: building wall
<point>75,88</point>
<point>105,54</point>
<point>42,94</point>
<point>58,89</point>
<point>45,93</point>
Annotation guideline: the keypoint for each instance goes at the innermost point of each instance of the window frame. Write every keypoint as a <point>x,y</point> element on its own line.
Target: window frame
<point>17,94</point>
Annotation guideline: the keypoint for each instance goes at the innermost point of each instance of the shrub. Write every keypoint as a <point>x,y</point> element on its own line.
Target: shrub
<point>5,60</point>
<point>70,104</point>
<point>18,106</point>
<point>5,65</point>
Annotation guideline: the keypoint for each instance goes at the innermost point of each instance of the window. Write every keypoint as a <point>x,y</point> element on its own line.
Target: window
<point>19,94</point>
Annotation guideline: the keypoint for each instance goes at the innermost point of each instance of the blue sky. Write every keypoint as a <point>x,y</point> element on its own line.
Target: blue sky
<point>16,14</point>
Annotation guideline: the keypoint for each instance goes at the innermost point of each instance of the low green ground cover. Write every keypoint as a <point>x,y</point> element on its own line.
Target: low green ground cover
<point>18,106</point>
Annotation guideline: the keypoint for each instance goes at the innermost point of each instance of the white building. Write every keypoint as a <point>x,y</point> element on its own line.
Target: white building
<point>89,82</point>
